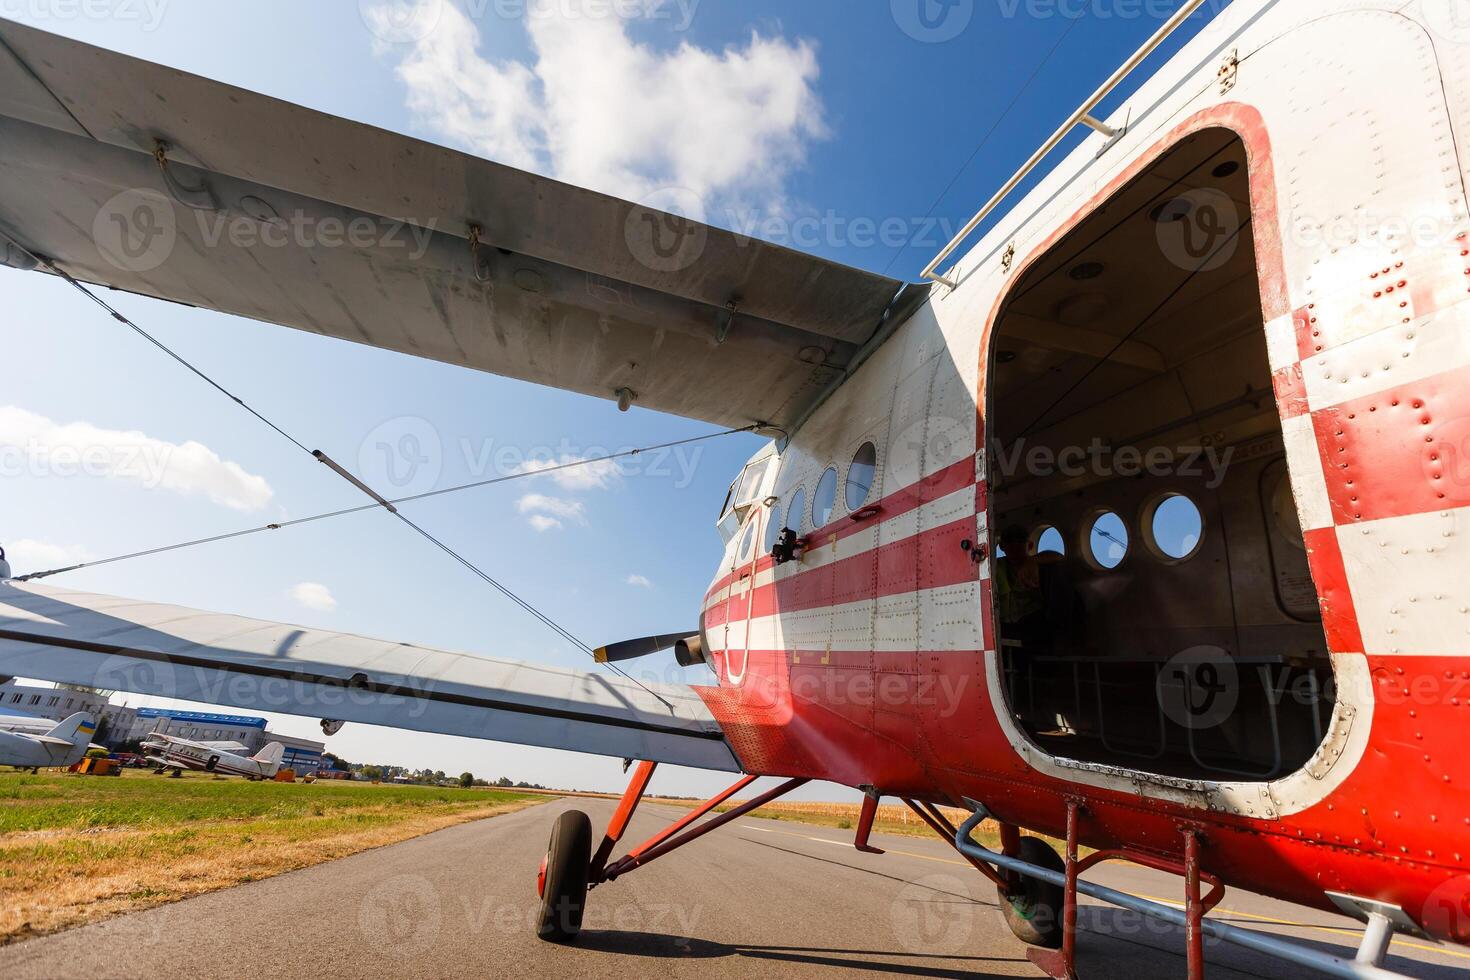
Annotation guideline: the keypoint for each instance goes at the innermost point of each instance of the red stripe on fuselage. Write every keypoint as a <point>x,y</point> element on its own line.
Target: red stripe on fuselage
<point>928,560</point>
<point>941,483</point>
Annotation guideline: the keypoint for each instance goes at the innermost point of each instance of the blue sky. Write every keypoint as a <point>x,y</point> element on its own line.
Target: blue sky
<point>845,110</point>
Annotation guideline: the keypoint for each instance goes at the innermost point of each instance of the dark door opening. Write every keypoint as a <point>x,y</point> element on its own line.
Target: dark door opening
<point>1156,610</point>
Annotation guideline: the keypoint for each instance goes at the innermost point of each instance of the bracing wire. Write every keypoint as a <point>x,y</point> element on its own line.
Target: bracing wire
<point>364,508</point>
<point>378,500</point>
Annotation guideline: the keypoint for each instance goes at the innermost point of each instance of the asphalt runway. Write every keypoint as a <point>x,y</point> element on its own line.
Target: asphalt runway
<point>757,898</point>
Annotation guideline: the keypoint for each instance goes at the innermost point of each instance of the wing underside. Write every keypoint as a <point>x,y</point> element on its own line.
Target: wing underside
<point>146,648</point>
<point>268,210</point>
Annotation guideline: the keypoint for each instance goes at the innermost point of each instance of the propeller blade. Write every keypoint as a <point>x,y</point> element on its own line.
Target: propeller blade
<point>643,646</point>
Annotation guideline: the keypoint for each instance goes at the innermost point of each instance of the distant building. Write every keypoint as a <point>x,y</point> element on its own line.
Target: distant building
<point>126,724</point>
<point>199,726</point>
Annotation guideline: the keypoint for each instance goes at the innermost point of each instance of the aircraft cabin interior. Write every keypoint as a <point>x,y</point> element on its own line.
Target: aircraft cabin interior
<point>1155,605</point>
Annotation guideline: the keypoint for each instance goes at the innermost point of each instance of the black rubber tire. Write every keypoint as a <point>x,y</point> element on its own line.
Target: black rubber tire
<point>568,857</point>
<point>1033,910</point>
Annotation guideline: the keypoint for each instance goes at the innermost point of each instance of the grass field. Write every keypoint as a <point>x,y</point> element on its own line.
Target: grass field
<point>74,849</point>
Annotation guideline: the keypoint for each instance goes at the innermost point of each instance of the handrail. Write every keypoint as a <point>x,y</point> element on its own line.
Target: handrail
<point>1081,117</point>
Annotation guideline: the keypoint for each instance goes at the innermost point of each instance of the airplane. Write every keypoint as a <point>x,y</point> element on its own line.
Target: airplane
<point>58,745</point>
<point>1139,522</point>
<point>169,752</point>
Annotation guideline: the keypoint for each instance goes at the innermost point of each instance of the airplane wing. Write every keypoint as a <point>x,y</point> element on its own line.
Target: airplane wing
<point>48,740</point>
<point>234,748</point>
<point>124,645</point>
<point>147,179</point>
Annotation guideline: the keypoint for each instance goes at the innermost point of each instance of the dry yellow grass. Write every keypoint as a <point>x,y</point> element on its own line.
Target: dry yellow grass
<point>64,876</point>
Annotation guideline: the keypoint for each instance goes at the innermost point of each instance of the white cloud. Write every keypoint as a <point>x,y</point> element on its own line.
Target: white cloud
<point>535,503</point>
<point>313,595</point>
<point>34,445</point>
<point>28,555</point>
<point>543,523</point>
<point>640,581</point>
<point>597,475</point>
<point>596,108</point>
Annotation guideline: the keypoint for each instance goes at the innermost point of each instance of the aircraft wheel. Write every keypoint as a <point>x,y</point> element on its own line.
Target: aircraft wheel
<point>1034,908</point>
<point>562,881</point>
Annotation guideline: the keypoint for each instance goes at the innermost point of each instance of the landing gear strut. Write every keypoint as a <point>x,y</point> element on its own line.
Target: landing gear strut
<point>570,868</point>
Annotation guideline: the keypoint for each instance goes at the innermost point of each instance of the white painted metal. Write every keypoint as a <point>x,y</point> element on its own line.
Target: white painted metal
<point>122,645</point>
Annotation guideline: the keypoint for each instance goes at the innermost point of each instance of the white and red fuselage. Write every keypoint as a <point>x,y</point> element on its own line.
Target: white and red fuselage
<point>873,660</point>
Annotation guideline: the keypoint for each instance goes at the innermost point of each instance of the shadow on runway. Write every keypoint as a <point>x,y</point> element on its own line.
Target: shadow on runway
<point>891,961</point>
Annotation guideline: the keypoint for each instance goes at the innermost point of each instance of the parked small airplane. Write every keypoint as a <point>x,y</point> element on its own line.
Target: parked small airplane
<point>60,744</point>
<point>1142,522</point>
<point>172,752</point>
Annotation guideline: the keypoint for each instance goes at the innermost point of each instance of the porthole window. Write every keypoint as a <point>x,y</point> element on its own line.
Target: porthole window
<point>1107,540</point>
<point>747,540</point>
<point>796,513</point>
<point>1175,527</point>
<point>860,476</point>
<point>825,499</point>
<point>1048,540</point>
<point>773,526</point>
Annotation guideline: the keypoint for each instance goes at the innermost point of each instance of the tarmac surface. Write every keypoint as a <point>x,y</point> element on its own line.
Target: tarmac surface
<point>756,898</point>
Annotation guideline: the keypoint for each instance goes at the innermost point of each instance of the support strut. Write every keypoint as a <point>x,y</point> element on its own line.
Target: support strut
<point>675,835</point>
<point>632,796</point>
<point>941,826</point>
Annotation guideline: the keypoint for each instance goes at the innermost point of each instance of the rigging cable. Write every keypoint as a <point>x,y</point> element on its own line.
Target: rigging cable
<point>364,508</point>
<point>379,501</point>
<point>986,138</point>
